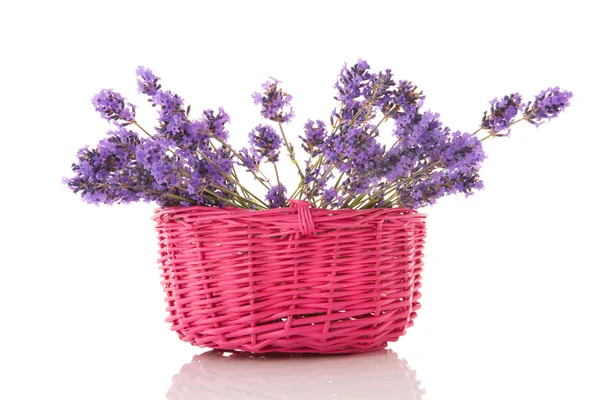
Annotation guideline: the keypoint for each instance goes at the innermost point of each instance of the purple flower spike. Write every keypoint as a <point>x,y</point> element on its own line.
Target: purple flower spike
<point>111,106</point>
<point>314,137</point>
<point>248,160</point>
<point>265,142</point>
<point>331,197</point>
<point>547,105</point>
<point>276,196</point>
<point>275,103</point>
<point>147,82</point>
<point>216,123</point>
<point>502,114</point>
<point>353,83</point>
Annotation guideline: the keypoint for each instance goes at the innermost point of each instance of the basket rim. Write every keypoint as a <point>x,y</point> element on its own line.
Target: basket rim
<point>163,210</point>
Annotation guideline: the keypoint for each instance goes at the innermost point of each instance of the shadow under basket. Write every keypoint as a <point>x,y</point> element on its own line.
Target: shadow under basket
<point>294,280</point>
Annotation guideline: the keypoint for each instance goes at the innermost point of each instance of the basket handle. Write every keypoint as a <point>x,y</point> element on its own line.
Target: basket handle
<point>305,217</point>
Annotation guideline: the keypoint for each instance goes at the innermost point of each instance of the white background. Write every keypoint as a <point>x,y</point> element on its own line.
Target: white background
<point>510,295</point>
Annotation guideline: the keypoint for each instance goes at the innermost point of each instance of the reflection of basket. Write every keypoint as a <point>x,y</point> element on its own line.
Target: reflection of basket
<point>297,279</point>
<point>376,375</point>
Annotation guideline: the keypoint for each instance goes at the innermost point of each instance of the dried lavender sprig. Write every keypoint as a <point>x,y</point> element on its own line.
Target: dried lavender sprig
<point>427,169</point>
<point>275,104</point>
<point>547,105</point>
<point>233,179</point>
<point>321,158</point>
<point>149,85</point>
<point>276,196</point>
<point>502,113</point>
<point>112,107</point>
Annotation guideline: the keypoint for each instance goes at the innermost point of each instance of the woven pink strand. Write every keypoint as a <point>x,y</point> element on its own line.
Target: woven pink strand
<point>299,279</point>
<point>305,219</point>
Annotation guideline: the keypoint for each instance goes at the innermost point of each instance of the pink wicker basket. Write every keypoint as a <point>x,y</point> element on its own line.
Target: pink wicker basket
<point>299,279</point>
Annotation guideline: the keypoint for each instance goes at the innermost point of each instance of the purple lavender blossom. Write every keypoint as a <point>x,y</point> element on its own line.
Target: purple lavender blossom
<point>147,82</point>
<point>249,161</point>
<point>547,105</point>
<point>106,174</point>
<point>381,91</point>
<point>432,159</point>
<point>502,114</point>
<point>265,143</point>
<point>314,137</point>
<point>352,148</point>
<point>331,197</point>
<point>182,164</point>
<point>275,103</point>
<point>173,118</point>
<point>462,151</point>
<point>111,106</point>
<point>421,140</point>
<point>353,83</point>
<point>315,180</point>
<point>216,123</point>
<point>171,112</point>
<point>205,167</point>
<point>354,88</point>
<point>406,98</point>
<point>428,189</point>
<point>276,196</point>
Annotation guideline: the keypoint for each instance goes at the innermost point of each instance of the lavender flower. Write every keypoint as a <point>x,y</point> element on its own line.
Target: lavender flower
<point>406,98</point>
<point>502,114</point>
<point>354,88</point>
<point>111,106</point>
<point>352,148</point>
<point>315,180</point>
<point>166,169</point>
<point>314,137</point>
<point>172,114</point>
<point>275,103</point>
<point>147,82</point>
<point>381,91</point>
<point>173,117</point>
<point>106,174</point>
<point>331,197</point>
<point>265,143</point>
<point>353,83</point>
<point>187,162</point>
<point>276,196</point>
<point>248,160</point>
<point>203,167</point>
<point>429,189</point>
<point>216,123</point>
<point>547,105</point>
<point>462,151</point>
<point>421,138</point>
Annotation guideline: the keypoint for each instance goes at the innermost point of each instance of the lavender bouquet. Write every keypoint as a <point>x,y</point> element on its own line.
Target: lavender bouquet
<point>187,162</point>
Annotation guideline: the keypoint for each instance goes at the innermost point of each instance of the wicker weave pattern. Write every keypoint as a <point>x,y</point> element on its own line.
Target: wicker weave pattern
<point>290,280</point>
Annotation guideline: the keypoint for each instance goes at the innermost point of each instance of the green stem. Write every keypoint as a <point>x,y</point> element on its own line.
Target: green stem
<point>142,129</point>
<point>277,177</point>
<point>290,150</point>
